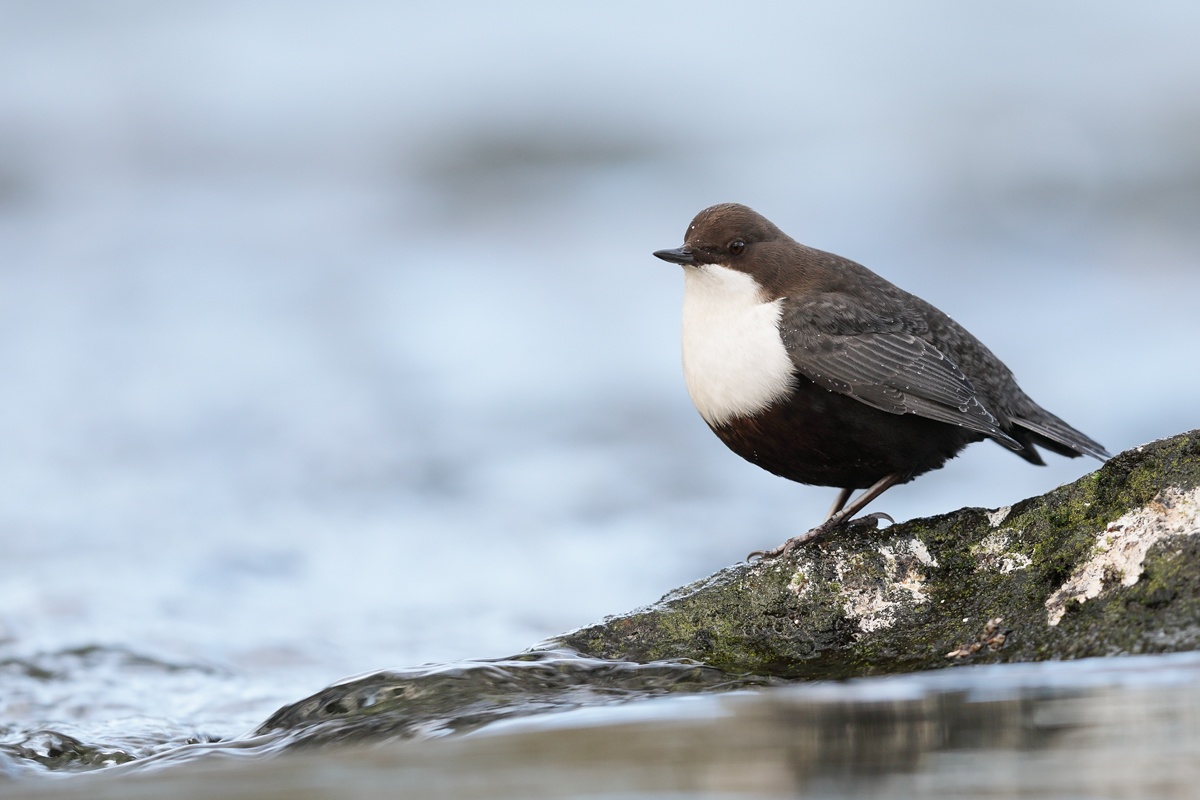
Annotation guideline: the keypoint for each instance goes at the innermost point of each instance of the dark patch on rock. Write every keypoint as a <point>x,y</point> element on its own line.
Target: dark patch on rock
<point>900,599</point>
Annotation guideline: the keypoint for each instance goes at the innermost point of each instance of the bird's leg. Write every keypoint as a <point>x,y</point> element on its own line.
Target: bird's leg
<point>840,503</point>
<point>839,516</point>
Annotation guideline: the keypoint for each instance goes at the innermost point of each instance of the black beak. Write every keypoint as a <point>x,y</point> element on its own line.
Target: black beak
<point>680,255</point>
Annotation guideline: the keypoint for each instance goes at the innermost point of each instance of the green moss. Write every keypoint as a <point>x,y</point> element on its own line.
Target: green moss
<point>793,617</point>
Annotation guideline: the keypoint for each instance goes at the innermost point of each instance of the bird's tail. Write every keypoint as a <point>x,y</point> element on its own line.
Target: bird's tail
<point>1048,431</point>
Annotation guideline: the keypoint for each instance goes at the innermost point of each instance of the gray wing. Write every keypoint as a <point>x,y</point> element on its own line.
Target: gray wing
<point>875,360</point>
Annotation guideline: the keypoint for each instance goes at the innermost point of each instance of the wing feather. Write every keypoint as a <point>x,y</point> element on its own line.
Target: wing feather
<point>877,362</point>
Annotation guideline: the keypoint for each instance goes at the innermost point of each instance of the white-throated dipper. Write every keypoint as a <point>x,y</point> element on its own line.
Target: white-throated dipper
<point>818,370</point>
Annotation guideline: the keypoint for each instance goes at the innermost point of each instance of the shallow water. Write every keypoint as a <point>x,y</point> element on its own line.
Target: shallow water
<point>1125,727</point>
<point>331,341</point>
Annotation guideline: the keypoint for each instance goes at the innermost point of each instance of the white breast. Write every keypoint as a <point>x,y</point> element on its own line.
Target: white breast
<point>733,359</point>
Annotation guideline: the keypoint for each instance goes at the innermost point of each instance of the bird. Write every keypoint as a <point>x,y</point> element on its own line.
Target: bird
<point>816,369</point>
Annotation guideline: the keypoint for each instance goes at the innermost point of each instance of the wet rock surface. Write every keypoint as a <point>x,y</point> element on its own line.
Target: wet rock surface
<point>1107,565</point>
<point>440,699</point>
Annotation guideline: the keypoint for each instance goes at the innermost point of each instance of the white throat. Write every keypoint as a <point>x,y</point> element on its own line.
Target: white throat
<point>734,362</point>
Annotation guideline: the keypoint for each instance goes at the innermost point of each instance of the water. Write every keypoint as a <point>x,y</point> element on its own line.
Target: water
<point>331,340</point>
<point>1124,727</point>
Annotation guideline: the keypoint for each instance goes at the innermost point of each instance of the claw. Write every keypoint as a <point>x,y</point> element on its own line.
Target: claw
<point>869,521</point>
<point>865,522</point>
<point>793,543</point>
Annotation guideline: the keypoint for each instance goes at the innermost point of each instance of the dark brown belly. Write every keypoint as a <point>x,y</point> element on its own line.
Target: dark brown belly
<point>823,438</point>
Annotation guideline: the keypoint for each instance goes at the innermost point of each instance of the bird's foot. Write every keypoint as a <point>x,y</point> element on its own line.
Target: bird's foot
<point>791,544</point>
<point>867,522</point>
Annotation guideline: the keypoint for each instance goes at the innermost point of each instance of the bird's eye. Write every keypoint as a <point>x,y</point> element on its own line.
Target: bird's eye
<point>736,247</point>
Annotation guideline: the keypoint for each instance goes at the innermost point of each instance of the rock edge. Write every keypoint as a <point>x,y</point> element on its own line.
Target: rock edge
<point>1107,565</point>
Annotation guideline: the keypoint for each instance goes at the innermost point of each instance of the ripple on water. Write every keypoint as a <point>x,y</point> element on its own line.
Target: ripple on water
<point>1095,727</point>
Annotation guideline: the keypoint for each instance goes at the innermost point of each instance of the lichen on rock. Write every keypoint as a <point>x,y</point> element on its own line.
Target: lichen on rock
<point>1122,546</point>
<point>1108,564</point>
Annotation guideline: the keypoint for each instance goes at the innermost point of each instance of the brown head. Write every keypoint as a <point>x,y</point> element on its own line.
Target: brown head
<point>737,237</point>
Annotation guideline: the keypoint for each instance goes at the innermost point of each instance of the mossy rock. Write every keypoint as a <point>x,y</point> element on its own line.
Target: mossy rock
<point>1109,564</point>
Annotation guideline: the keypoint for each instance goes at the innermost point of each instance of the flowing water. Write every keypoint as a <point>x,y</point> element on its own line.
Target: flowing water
<point>331,341</point>
<point>1097,728</point>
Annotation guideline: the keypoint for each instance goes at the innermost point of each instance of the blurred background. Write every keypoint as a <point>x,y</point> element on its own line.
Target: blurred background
<point>330,337</point>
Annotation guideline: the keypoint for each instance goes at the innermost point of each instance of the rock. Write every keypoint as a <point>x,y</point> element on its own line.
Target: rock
<point>1107,565</point>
